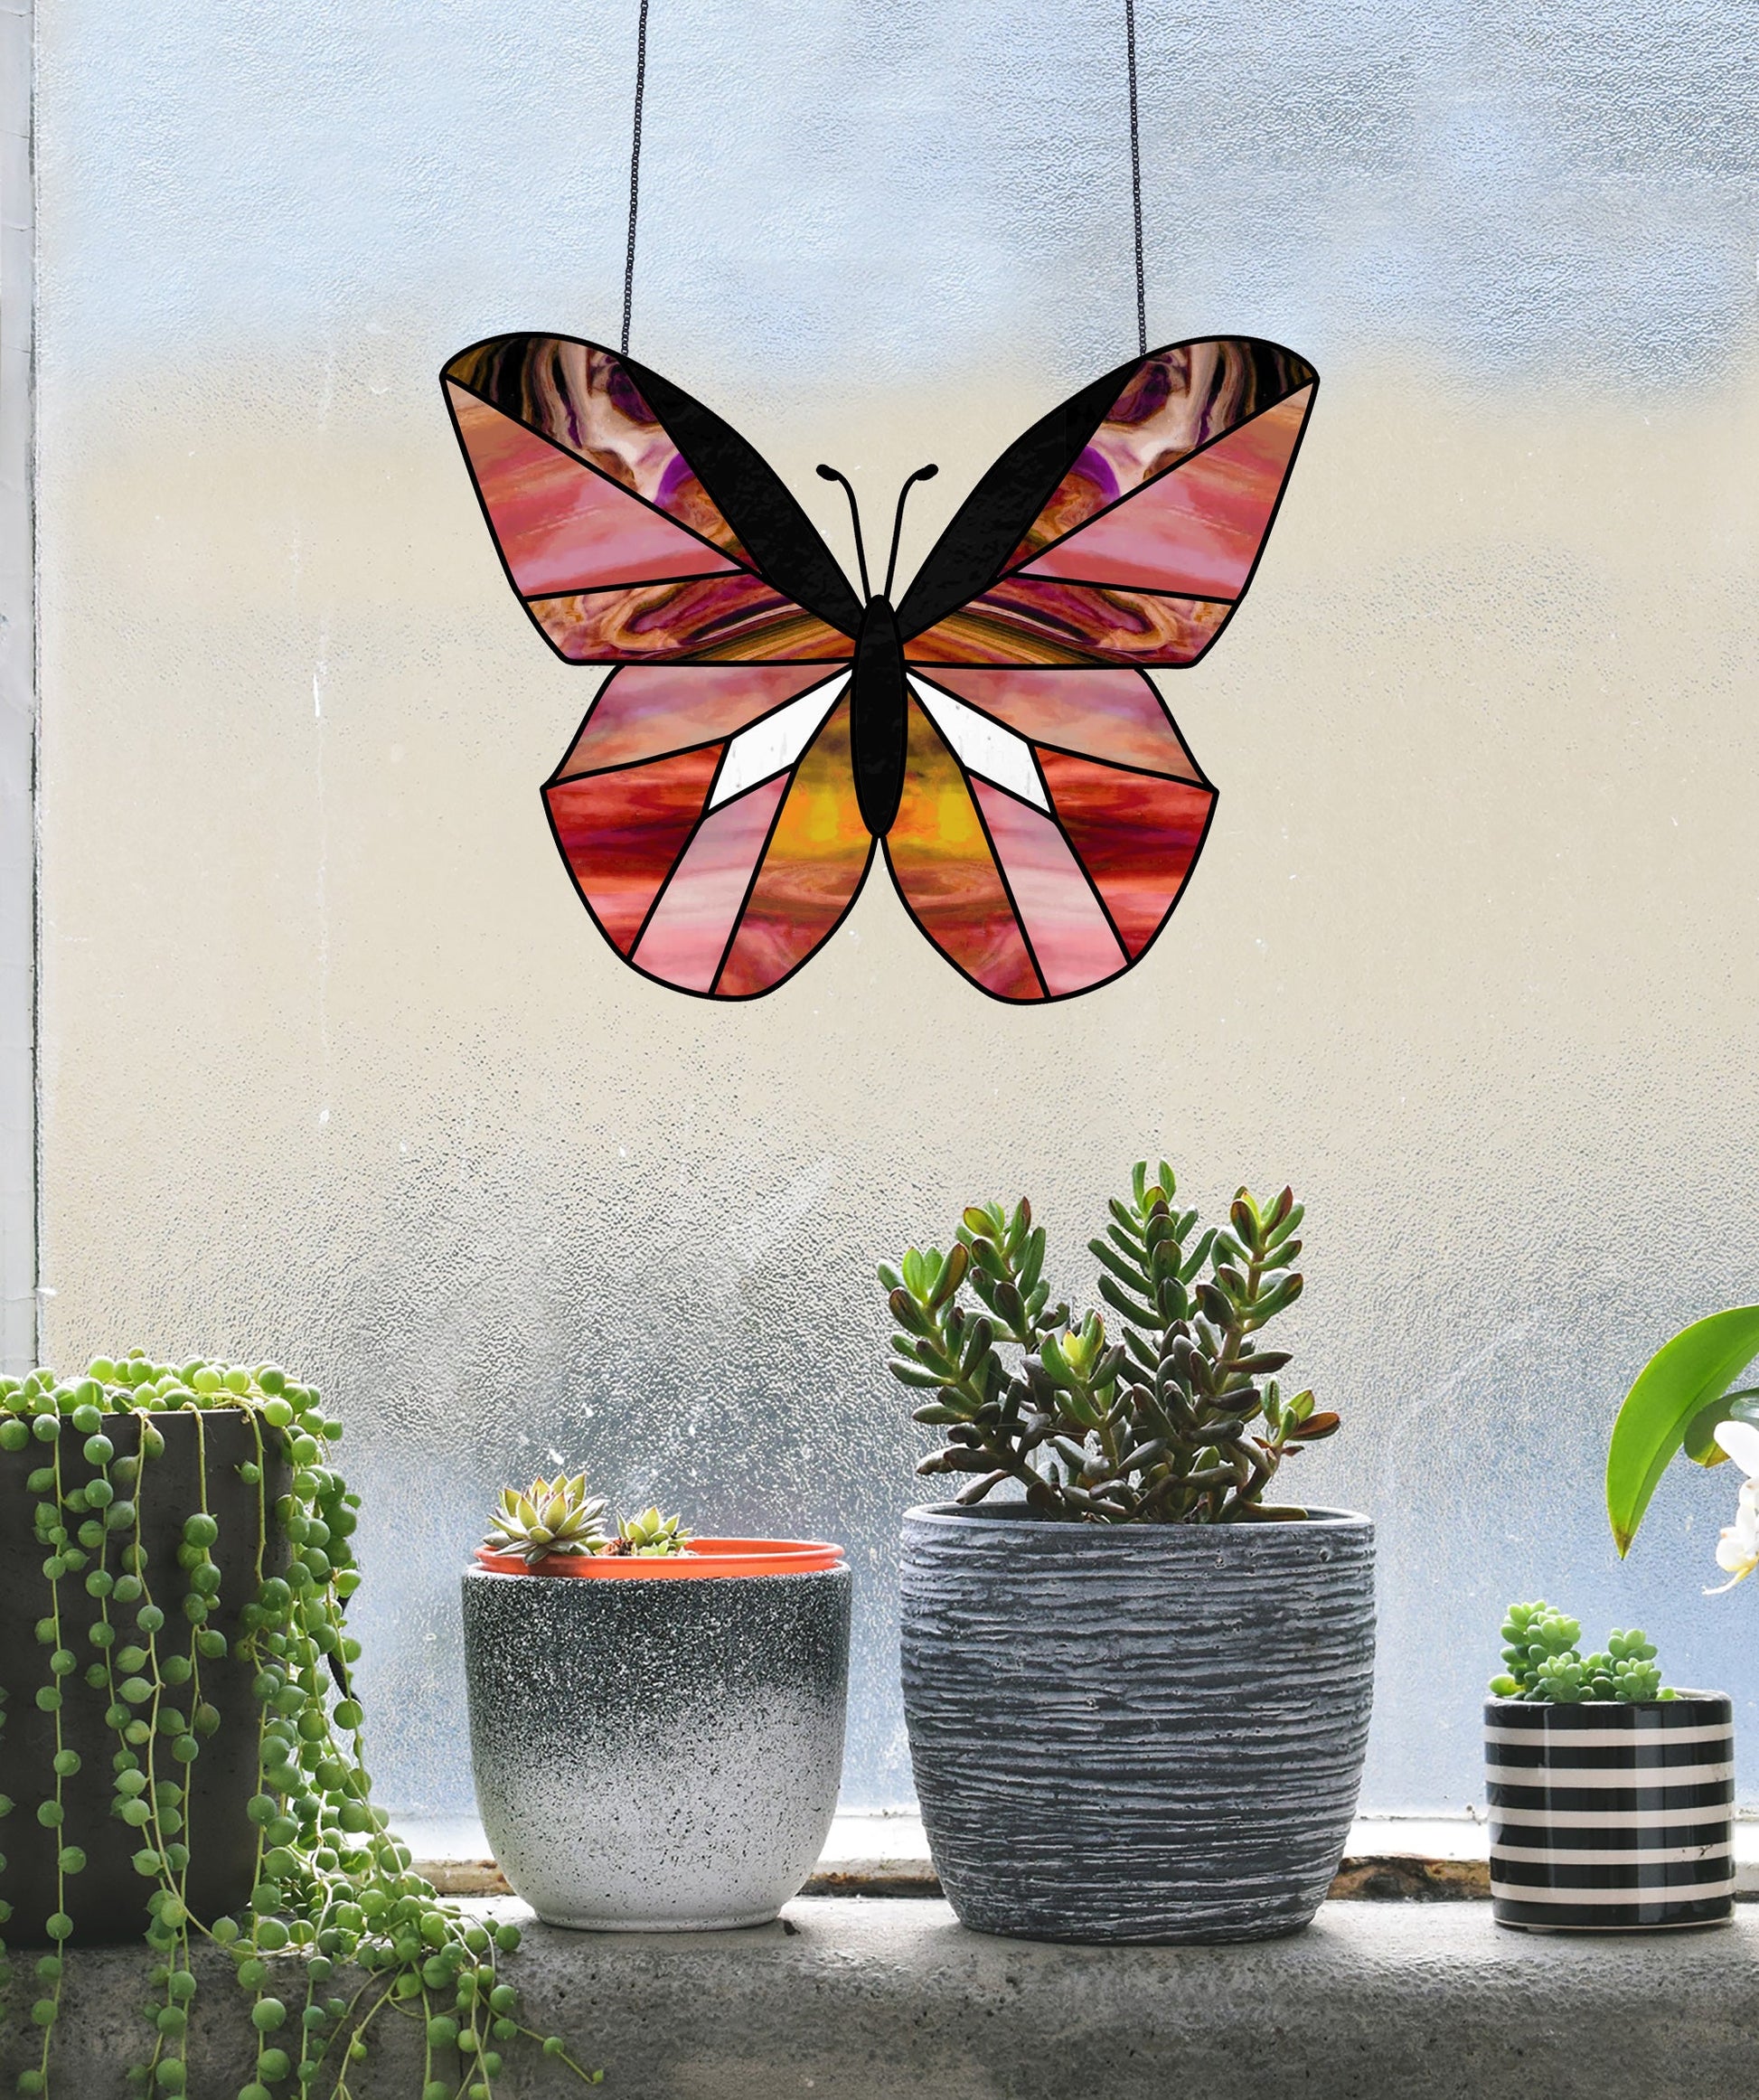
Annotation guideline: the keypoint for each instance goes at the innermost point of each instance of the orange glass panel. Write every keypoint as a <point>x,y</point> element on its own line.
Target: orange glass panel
<point>811,871</point>
<point>735,618</point>
<point>945,872</point>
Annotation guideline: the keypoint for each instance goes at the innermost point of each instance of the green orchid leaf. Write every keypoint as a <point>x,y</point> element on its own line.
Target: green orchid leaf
<point>1700,1442</point>
<point>1676,1388</point>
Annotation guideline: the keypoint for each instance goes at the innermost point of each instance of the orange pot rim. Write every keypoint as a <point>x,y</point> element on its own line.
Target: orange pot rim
<point>706,1559</point>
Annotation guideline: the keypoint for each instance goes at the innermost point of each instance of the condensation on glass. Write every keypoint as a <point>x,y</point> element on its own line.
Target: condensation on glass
<point>334,1067</point>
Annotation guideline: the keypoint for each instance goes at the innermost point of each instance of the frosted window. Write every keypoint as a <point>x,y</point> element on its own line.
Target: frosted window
<point>335,1068</point>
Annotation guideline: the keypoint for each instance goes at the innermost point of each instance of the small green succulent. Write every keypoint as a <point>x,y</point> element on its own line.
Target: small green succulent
<point>651,1536</point>
<point>552,1517</point>
<point>1539,1646</point>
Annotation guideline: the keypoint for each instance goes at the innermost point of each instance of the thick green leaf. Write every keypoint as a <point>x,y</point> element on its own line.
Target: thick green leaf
<point>1678,1383</point>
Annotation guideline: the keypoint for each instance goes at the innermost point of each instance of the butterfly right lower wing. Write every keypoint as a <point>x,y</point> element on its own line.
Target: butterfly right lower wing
<point>1048,826</point>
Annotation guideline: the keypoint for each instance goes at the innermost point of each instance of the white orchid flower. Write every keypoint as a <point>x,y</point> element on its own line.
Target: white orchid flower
<point>1740,1440</point>
<point>1737,1550</point>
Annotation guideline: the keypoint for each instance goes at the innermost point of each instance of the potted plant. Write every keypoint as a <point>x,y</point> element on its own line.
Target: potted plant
<point>1137,1693</point>
<point>656,1721</point>
<point>181,1751</point>
<point>1611,1799</point>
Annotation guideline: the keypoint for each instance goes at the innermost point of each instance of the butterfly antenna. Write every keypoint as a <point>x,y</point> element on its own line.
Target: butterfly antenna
<point>922,474</point>
<point>831,474</point>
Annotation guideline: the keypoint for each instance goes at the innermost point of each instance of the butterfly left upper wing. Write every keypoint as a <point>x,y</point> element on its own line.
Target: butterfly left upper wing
<point>1125,527</point>
<point>635,524</point>
<point>706,808</point>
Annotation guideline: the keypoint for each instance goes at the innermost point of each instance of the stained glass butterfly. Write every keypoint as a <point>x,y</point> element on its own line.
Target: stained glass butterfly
<point>995,730</point>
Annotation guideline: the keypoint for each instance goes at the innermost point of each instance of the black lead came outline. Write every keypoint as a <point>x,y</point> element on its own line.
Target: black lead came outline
<point>971,556</point>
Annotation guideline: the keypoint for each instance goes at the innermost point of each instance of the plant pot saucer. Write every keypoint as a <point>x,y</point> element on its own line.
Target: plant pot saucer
<point>706,1558</point>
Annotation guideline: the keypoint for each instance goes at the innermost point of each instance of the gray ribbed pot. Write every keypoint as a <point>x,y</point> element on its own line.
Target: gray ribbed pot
<point>656,1755</point>
<point>1148,1732</point>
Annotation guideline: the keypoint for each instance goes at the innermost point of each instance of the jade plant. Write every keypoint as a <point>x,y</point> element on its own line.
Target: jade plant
<point>1545,1664</point>
<point>557,1520</point>
<point>334,1889</point>
<point>1180,1419</point>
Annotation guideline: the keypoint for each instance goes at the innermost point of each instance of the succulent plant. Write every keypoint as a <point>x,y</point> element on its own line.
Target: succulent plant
<point>651,1536</point>
<point>1539,1646</point>
<point>551,1518</point>
<point>1180,1422</point>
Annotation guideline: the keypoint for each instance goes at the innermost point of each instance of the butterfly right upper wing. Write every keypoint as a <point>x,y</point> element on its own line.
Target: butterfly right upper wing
<point>1051,811</point>
<point>1125,527</point>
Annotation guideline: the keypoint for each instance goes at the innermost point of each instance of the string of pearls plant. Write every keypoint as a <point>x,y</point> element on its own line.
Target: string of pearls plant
<point>332,1886</point>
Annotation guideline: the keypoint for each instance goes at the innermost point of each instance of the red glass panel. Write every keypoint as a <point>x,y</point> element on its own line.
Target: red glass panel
<point>1137,836</point>
<point>622,833</point>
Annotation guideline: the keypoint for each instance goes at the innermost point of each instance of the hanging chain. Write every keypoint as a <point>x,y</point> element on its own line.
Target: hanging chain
<point>1136,175</point>
<point>634,175</point>
<point>1136,179</point>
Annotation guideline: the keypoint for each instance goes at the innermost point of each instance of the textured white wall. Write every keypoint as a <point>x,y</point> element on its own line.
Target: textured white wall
<point>337,1069</point>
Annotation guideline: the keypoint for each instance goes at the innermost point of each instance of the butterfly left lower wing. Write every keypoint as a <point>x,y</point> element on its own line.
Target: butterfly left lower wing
<point>1048,821</point>
<point>708,817</point>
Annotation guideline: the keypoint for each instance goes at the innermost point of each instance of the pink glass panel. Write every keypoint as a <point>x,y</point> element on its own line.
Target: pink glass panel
<point>563,526</point>
<point>1197,529</point>
<point>1068,932</point>
<point>693,922</point>
<point>646,709</point>
<point>582,398</point>
<point>1107,714</point>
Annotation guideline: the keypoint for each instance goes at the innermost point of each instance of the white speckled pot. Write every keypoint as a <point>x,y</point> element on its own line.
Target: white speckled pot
<point>656,1756</point>
<point>1147,1732</point>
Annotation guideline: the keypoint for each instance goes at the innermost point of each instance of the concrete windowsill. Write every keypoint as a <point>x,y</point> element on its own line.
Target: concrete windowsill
<point>864,2000</point>
<point>1429,1859</point>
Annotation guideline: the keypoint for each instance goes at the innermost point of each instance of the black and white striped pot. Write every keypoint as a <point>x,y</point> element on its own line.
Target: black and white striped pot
<point>1147,1732</point>
<point>1607,1817</point>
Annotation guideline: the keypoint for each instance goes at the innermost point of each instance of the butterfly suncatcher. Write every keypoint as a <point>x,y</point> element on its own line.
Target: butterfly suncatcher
<point>996,731</point>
